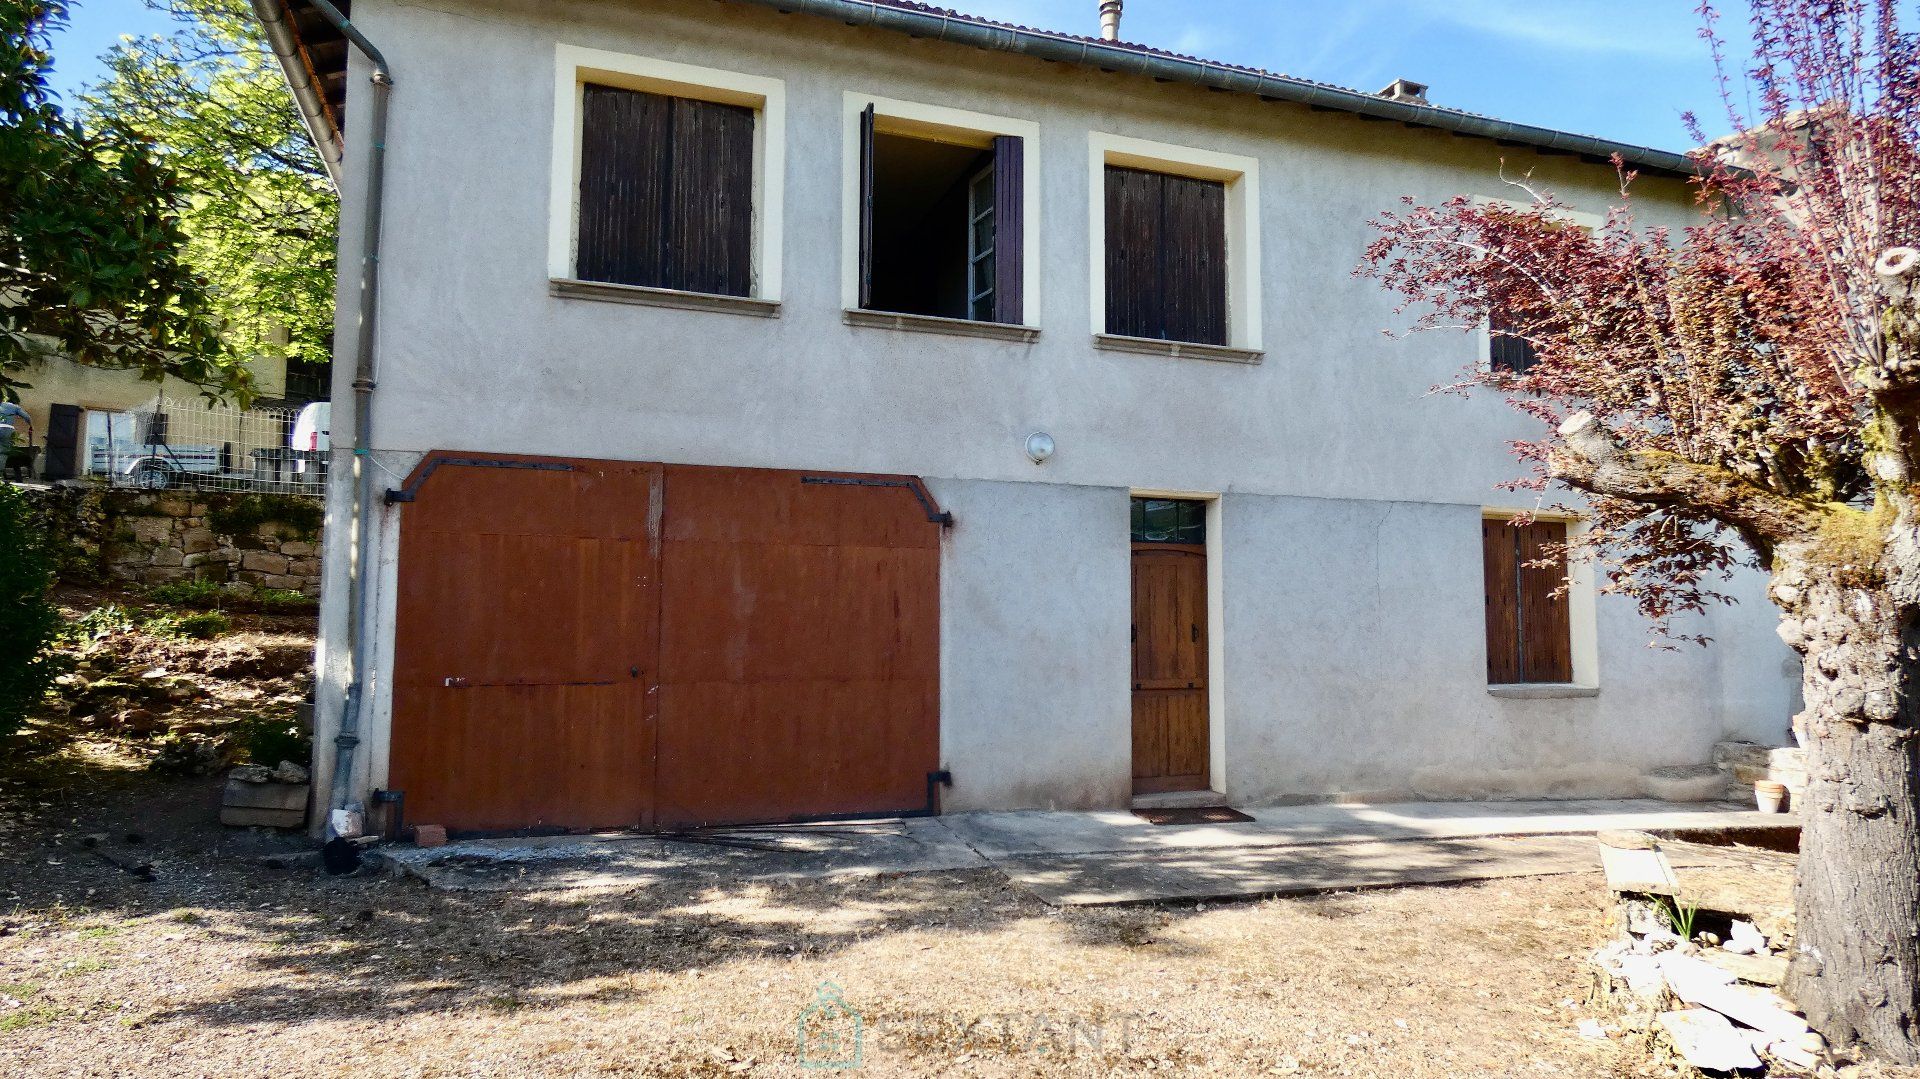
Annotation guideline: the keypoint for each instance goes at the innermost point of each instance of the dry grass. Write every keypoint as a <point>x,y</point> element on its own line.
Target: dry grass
<point>226,966</point>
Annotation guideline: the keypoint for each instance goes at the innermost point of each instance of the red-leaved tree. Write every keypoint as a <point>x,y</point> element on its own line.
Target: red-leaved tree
<point>1747,389</point>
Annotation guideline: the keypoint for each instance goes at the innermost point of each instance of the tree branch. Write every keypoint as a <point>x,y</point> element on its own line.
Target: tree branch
<point>1590,459</point>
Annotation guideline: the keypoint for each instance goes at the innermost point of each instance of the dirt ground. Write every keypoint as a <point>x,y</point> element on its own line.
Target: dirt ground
<point>238,957</point>
<point>223,965</point>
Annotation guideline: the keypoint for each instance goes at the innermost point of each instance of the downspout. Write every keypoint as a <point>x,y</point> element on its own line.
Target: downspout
<point>360,618</point>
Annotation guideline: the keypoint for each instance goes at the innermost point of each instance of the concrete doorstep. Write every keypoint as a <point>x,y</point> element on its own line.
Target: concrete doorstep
<point>1105,858</point>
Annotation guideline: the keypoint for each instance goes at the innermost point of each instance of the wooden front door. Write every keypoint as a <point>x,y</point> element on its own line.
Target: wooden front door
<point>1170,744</point>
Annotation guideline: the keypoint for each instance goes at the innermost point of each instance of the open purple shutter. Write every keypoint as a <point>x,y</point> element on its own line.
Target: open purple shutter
<point>866,207</point>
<point>1009,228</point>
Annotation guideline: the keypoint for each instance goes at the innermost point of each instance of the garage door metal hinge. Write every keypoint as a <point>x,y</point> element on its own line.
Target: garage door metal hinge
<point>936,780</point>
<point>934,512</point>
<point>412,490</point>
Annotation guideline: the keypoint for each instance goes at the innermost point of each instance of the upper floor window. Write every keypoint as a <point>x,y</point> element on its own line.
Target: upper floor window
<point>666,176</point>
<point>1506,348</point>
<point>1176,252</point>
<point>666,192</point>
<point>943,205</point>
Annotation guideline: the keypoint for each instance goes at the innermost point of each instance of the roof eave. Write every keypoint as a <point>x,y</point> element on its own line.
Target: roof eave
<point>1131,60</point>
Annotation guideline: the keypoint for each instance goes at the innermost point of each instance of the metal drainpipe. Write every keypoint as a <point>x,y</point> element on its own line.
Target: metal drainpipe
<point>360,619</point>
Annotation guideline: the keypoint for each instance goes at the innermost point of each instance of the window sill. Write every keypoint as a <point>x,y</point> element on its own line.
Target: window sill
<point>568,288</point>
<point>1178,350</point>
<point>955,327</point>
<point>1542,691</point>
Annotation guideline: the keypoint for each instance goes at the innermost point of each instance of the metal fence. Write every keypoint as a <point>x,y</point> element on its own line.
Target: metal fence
<point>188,444</point>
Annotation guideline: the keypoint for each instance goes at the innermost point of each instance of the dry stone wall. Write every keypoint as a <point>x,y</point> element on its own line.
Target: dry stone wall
<point>243,542</point>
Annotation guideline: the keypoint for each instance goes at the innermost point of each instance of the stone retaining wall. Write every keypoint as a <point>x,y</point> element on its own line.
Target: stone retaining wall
<point>244,542</point>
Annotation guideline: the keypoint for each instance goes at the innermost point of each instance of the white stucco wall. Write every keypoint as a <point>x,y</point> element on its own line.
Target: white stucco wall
<point>1350,495</point>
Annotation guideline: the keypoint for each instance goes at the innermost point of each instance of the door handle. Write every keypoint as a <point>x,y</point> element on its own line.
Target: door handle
<point>1195,627</point>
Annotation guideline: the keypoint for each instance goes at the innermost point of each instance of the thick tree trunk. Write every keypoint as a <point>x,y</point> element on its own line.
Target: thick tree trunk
<point>1856,962</point>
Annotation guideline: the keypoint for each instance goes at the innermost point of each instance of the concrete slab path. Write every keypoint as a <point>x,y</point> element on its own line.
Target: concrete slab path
<point>1108,857</point>
<point>1002,835</point>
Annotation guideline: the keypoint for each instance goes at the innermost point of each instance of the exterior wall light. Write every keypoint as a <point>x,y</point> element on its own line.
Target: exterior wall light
<point>1039,447</point>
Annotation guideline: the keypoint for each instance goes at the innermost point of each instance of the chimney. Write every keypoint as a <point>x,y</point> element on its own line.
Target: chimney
<point>1405,90</point>
<point>1110,19</point>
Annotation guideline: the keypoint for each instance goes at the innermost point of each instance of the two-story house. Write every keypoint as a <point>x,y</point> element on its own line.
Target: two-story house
<point>788,409</point>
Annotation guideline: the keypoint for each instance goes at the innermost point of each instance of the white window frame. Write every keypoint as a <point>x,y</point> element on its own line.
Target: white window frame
<point>1240,174</point>
<point>1484,333</point>
<point>974,254</point>
<point>575,66</point>
<point>1583,622</point>
<point>937,123</point>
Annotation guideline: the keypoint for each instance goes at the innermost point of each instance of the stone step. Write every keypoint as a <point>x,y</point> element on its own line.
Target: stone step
<point>1685,783</point>
<point>1747,763</point>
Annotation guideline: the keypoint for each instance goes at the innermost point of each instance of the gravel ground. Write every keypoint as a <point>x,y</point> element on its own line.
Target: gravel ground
<point>224,965</point>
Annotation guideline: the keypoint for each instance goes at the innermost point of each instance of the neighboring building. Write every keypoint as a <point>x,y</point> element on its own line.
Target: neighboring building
<point>697,319</point>
<point>70,403</point>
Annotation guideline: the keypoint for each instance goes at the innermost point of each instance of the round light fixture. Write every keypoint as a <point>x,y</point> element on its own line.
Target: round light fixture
<point>1039,447</point>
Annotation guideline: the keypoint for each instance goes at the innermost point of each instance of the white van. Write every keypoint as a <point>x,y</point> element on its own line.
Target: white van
<point>312,429</point>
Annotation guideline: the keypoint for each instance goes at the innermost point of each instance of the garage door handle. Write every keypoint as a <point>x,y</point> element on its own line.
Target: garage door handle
<point>513,683</point>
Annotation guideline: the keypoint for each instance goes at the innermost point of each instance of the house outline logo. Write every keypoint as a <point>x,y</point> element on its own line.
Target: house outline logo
<point>828,1033</point>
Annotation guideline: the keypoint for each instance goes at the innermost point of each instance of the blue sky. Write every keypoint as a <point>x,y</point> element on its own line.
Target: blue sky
<point>1622,69</point>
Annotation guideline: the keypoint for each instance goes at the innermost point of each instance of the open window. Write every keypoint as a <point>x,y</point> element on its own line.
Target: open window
<point>942,213</point>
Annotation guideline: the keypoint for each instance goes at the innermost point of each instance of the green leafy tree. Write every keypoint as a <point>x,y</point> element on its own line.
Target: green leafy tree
<point>27,620</point>
<point>261,213</point>
<point>90,236</point>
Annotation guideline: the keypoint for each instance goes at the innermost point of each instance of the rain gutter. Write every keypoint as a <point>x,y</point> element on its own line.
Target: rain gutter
<point>1132,60</point>
<point>300,79</point>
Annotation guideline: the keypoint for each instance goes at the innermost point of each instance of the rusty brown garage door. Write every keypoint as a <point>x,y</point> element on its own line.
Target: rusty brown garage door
<point>767,649</point>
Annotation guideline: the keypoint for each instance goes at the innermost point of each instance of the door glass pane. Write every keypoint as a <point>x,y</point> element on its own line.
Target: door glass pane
<point>1166,520</point>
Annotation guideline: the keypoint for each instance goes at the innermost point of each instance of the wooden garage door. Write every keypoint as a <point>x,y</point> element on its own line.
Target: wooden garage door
<point>766,650</point>
<point>525,645</point>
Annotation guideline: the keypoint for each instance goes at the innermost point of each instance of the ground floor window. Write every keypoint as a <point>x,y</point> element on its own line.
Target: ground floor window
<point>1529,631</point>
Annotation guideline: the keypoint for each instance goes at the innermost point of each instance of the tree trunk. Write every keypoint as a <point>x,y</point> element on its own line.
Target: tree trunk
<point>1856,961</point>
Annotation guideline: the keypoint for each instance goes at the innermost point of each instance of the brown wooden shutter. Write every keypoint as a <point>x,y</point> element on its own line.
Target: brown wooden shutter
<point>1009,228</point>
<point>624,168</point>
<point>710,204</point>
<point>63,443</point>
<point>1546,653</point>
<point>1500,546</point>
<point>866,207</point>
<point>666,192</point>
<point>1166,257</point>
<point>1194,260</point>
<point>1529,633</point>
<point>1133,238</point>
<point>1514,354</point>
